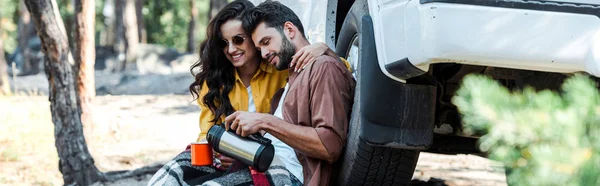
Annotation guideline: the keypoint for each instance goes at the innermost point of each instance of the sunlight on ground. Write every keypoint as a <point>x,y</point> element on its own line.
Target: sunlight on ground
<point>27,152</point>
<point>129,132</point>
<point>460,169</point>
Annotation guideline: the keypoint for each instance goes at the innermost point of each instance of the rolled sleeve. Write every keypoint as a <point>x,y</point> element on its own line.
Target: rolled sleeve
<point>332,142</point>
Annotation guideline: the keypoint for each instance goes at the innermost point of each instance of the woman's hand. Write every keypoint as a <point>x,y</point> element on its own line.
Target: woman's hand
<point>307,55</point>
<point>226,161</point>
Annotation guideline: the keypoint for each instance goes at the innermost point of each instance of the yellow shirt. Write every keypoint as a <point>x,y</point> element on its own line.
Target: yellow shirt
<point>265,82</point>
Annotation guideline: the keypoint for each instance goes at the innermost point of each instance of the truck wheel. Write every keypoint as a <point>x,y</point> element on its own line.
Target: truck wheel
<point>361,162</point>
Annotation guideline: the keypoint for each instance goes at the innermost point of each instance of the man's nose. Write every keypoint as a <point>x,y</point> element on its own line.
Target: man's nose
<point>264,52</point>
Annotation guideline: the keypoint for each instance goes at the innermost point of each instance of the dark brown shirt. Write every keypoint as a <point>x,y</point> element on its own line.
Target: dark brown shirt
<point>320,97</point>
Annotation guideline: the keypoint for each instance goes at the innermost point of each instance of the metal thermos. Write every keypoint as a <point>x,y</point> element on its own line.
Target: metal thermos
<point>254,150</point>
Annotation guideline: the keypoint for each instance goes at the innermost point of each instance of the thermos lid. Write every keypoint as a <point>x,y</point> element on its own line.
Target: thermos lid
<point>264,157</point>
<point>214,134</point>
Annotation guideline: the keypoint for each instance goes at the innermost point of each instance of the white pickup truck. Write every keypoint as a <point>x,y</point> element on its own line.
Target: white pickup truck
<point>409,56</point>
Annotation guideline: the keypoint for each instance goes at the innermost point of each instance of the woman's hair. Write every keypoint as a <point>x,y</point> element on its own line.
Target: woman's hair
<point>213,67</point>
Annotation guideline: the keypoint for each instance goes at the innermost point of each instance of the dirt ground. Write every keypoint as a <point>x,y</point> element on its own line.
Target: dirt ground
<point>132,131</point>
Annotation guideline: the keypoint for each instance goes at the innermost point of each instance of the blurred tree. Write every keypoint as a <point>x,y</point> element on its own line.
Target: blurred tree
<point>126,42</point>
<point>120,45</point>
<point>75,162</point>
<point>215,6</point>
<point>107,36</point>
<point>4,84</point>
<point>85,54</point>
<point>26,33</point>
<point>191,44</point>
<point>139,6</point>
<point>67,13</point>
<point>170,22</point>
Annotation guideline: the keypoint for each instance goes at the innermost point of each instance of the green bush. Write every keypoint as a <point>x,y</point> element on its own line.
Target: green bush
<point>543,138</point>
<point>8,24</point>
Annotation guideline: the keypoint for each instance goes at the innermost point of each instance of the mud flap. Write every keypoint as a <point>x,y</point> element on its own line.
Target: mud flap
<point>393,114</point>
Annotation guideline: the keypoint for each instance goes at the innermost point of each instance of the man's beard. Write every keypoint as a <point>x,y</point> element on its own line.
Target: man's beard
<point>285,54</point>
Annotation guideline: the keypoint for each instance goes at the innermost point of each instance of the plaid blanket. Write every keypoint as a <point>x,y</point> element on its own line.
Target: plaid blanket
<point>180,171</point>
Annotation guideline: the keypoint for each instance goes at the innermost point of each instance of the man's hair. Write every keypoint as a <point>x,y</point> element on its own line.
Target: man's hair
<point>273,14</point>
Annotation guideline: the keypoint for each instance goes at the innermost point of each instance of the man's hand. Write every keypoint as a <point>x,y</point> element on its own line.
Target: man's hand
<point>246,123</point>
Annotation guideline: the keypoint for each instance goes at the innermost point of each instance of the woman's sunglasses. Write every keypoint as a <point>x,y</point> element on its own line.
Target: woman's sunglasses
<point>237,40</point>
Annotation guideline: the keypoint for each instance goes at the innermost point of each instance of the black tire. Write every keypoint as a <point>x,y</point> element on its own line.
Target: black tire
<point>362,163</point>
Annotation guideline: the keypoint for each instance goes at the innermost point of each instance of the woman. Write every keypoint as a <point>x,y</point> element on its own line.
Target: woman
<point>232,76</point>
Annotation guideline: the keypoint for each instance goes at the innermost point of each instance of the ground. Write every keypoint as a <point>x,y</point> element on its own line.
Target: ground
<point>145,119</point>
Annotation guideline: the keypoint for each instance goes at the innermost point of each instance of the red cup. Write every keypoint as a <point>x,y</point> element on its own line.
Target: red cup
<point>202,154</point>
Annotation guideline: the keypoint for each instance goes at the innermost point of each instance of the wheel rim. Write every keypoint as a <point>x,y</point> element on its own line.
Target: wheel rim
<point>352,55</point>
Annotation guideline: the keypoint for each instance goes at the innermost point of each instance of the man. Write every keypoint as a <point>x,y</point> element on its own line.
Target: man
<point>316,104</point>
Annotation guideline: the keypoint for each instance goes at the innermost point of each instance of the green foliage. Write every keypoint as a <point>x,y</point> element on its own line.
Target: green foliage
<point>8,25</point>
<point>543,138</point>
<point>99,26</point>
<point>167,22</point>
<point>66,9</point>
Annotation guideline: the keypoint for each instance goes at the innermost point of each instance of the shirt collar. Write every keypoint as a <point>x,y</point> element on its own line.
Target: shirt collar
<point>263,67</point>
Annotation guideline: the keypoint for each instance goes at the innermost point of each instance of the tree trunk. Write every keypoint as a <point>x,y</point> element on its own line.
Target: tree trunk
<point>214,7</point>
<point>4,85</point>
<point>126,31</point>
<point>131,35</point>
<point>26,31</point>
<point>108,35</point>
<point>24,22</point>
<point>120,43</point>
<point>85,54</point>
<point>75,162</point>
<point>191,45</point>
<point>139,5</point>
